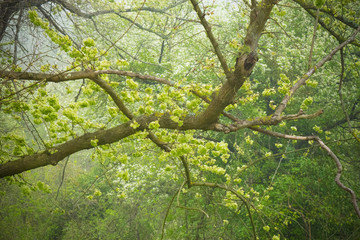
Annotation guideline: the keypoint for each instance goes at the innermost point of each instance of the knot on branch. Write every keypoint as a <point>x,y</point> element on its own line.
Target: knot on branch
<point>250,61</point>
<point>225,128</point>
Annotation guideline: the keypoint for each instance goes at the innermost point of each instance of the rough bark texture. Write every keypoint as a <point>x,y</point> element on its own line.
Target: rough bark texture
<point>207,120</point>
<point>58,153</point>
<point>9,7</point>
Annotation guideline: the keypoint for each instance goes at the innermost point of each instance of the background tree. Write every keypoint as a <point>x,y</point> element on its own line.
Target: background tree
<point>228,113</point>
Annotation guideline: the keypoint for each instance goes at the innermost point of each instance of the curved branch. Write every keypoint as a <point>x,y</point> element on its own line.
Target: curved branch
<point>330,153</point>
<point>242,198</point>
<point>338,175</point>
<point>80,13</point>
<point>192,208</point>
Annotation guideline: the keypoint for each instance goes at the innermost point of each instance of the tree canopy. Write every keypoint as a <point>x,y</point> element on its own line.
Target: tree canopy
<point>181,119</point>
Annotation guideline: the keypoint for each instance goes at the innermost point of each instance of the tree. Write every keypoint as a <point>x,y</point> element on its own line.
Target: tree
<point>120,60</point>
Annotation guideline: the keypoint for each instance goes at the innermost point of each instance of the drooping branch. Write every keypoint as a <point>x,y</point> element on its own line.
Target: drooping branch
<point>242,198</point>
<point>330,153</point>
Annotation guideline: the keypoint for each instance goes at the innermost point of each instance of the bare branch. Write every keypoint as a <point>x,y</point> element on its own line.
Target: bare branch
<point>212,39</point>
<point>338,175</point>
<point>162,36</point>
<point>341,96</point>
<point>57,27</point>
<point>242,198</point>
<point>313,39</point>
<point>285,32</point>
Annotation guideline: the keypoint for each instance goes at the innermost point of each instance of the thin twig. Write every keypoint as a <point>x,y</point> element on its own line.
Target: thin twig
<point>166,214</point>
<point>278,166</point>
<point>62,177</point>
<point>341,96</point>
<point>242,198</point>
<point>196,209</point>
<point>212,39</point>
<point>126,31</point>
<point>313,39</point>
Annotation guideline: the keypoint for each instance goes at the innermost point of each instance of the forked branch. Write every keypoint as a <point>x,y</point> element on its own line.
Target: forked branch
<point>212,39</point>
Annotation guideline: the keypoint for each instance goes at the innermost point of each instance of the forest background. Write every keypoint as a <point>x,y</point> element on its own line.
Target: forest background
<point>181,119</point>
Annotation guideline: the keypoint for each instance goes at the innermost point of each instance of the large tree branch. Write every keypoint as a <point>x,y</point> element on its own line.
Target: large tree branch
<point>10,7</point>
<point>73,9</point>
<point>58,153</point>
<point>54,155</point>
<point>69,76</point>
<point>244,64</point>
